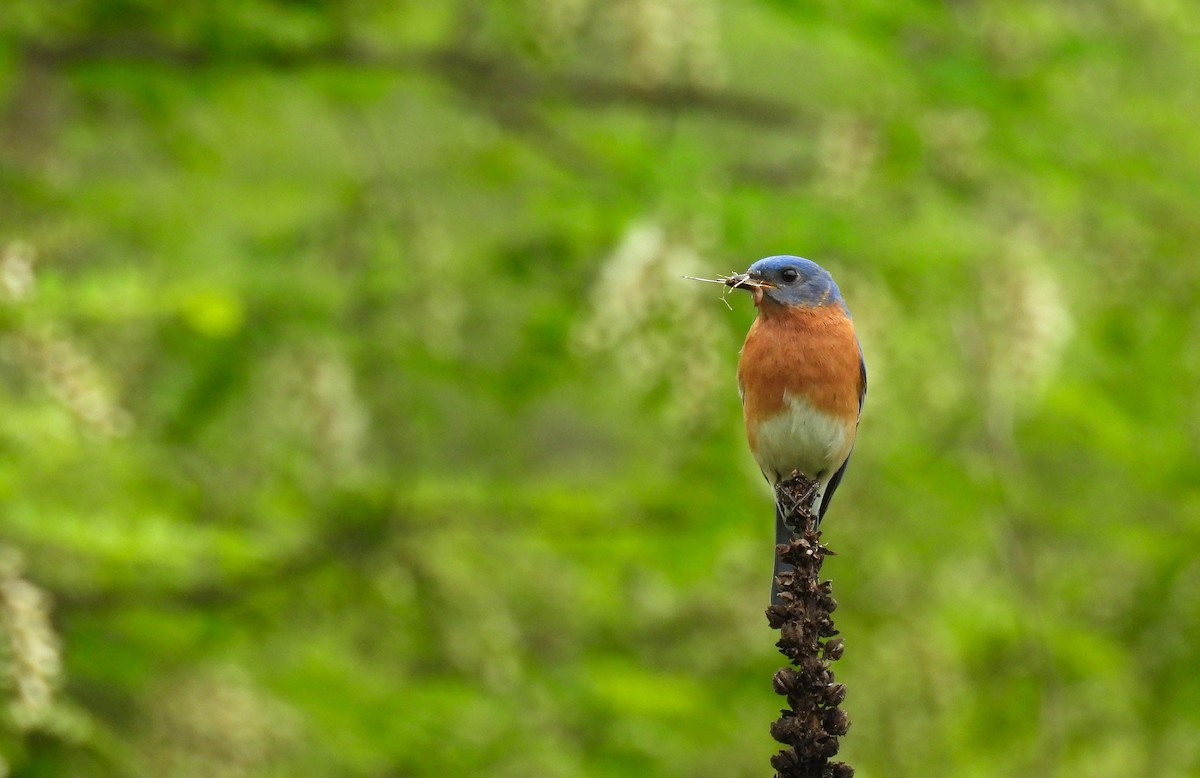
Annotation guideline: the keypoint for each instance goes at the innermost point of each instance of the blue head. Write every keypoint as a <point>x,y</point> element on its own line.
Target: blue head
<point>792,280</point>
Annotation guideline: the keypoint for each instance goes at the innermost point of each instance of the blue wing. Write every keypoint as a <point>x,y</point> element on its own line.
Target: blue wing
<point>837,477</point>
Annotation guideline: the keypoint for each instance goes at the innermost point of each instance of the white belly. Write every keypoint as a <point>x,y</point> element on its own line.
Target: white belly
<point>802,438</point>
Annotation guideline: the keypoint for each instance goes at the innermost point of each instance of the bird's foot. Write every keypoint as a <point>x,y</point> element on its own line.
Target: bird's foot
<point>797,495</point>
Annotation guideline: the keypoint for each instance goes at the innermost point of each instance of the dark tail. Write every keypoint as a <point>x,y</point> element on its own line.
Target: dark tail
<point>782,535</point>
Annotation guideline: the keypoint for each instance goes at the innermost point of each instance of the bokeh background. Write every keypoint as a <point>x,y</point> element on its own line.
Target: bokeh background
<point>355,419</point>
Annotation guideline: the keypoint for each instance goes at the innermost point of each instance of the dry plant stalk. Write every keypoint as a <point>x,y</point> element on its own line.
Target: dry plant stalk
<point>813,721</point>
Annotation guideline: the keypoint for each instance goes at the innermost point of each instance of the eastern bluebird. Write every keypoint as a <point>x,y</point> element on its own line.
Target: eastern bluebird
<point>801,378</point>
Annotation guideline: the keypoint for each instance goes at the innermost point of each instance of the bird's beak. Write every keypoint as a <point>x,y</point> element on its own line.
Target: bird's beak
<point>750,283</point>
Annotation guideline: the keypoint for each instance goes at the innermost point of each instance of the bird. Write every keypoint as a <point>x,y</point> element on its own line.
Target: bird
<point>801,378</point>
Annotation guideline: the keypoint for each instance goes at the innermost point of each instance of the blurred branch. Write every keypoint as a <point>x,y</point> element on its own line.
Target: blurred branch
<point>341,541</point>
<point>481,75</point>
<point>814,721</point>
<point>203,594</point>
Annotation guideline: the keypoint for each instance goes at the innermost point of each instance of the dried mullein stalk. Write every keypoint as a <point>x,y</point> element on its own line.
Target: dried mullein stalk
<point>813,720</point>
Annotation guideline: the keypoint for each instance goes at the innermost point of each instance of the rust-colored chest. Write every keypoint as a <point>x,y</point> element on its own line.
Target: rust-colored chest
<point>810,353</point>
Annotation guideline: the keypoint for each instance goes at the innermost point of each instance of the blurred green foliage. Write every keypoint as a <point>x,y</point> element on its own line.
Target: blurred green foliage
<point>354,420</point>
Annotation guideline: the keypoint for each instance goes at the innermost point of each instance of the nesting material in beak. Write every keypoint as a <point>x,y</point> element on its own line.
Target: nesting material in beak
<point>738,281</point>
<point>748,282</point>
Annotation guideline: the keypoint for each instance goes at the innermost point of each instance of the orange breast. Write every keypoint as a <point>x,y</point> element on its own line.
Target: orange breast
<point>802,352</point>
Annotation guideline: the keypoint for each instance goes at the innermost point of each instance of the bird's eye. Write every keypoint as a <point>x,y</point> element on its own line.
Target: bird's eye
<point>789,274</point>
